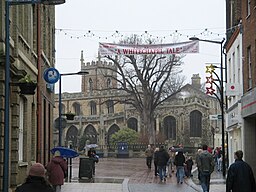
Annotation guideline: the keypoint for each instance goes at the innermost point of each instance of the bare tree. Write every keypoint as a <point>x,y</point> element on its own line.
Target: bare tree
<point>148,81</point>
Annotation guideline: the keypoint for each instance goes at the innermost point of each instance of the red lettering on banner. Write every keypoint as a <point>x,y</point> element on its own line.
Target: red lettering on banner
<point>174,50</point>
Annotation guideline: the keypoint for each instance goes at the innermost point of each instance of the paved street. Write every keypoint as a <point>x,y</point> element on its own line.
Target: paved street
<point>130,175</point>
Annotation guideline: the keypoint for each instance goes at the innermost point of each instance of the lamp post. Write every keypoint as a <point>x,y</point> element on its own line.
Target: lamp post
<point>9,3</point>
<point>60,107</point>
<point>221,98</point>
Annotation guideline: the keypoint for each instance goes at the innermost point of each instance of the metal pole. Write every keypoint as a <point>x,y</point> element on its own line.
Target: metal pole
<point>60,110</point>
<point>222,114</point>
<point>7,99</point>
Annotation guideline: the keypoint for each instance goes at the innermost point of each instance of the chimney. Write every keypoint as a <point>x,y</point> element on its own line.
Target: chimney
<point>196,81</point>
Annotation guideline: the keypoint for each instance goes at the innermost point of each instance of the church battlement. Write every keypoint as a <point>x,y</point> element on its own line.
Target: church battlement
<point>97,63</point>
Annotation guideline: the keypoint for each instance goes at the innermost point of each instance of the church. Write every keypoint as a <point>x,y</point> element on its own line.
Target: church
<point>182,119</point>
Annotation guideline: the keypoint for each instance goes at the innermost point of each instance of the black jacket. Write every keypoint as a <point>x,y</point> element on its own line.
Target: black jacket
<point>179,159</point>
<point>161,157</point>
<point>33,183</point>
<point>240,178</point>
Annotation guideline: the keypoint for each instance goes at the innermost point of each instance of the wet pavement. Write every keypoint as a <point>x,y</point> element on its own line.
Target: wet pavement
<point>132,175</point>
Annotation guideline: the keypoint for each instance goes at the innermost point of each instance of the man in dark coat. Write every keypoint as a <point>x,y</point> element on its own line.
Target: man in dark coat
<point>240,176</point>
<point>161,159</point>
<point>36,180</point>
<point>179,161</point>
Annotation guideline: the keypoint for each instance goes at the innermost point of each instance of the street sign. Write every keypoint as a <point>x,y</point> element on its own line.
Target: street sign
<point>213,117</point>
<point>219,116</point>
<point>51,75</point>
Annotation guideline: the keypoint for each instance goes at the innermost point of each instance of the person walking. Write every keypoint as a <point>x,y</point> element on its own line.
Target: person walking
<point>206,167</point>
<point>179,162</point>
<point>189,164</point>
<point>35,180</point>
<point>149,156</point>
<point>199,151</point>
<point>170,165</point>
<point>162,158</point>
<point>240,177</point>
<point>56,169</point>
<point>155,161</point>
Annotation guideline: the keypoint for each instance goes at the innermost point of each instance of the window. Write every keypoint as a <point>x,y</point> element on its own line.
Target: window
<point>112,130</point>
<point>170,127</point>
<point>93,108</point>
<point>90,85</point>
<point>110,106</point>
<point>21,124</point>
<point>90,134</point>
<point>249,63</point>
<point>195,124</point>
<point>109,83</point>
<point>77,108</point>
<point>132,123</point>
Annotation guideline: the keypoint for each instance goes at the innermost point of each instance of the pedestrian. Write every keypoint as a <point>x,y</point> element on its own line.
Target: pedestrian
<point>149,156</point>
<point>219,159</point>
<point>162,158</point>
<point>189,164</point>
<point>91,151</point>
<point>95,159</point>
<point>206,167</point>
<point>35,180</point>
<point>170,165</point>
<point>155,161</point>
<point>179,161</point>
<point>240,176</point>
<point>199,151</point>
<point>56,170</point>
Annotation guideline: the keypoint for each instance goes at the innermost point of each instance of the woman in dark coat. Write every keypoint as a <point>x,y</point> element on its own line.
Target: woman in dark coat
<point>55,170</point>
<point>36,180</point>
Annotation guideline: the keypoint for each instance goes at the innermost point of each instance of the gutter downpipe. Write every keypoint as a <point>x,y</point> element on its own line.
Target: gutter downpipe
<point>39,104</point>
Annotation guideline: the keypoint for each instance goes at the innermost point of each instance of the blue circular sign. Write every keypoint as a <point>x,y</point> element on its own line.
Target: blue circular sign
<point>51,75</point>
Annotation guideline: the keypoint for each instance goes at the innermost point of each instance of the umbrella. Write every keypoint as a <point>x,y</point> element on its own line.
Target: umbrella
<point>65,152</point>
<point>91,146</point>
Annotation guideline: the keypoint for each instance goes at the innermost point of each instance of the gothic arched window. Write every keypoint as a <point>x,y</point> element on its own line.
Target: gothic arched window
<point>72,136</point>
<point>77,108</point>
<point>195,124</point>
<point>110,106</point>
<point>170,127</point>
<point>109,83</point>
<point>113,129</point>
<point>90,134</point>
<point>132,123</point>
<point>93,108</point>
<point>90,85</point>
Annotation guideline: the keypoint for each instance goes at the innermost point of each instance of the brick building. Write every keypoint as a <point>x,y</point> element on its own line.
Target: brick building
<point>241,70</point>
<point>32,49</point>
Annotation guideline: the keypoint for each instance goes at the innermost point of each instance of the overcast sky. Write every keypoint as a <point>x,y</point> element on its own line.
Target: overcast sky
<point>82,24</point>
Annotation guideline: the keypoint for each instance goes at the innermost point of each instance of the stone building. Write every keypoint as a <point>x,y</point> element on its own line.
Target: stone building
<point>184,118</point>
<point>32,49</point>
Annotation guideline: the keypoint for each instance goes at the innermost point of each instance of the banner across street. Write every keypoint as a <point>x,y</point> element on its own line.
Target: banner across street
<point>129,49</point>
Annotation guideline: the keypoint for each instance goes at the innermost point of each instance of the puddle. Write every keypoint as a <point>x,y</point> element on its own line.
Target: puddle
<point>99,180</point>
